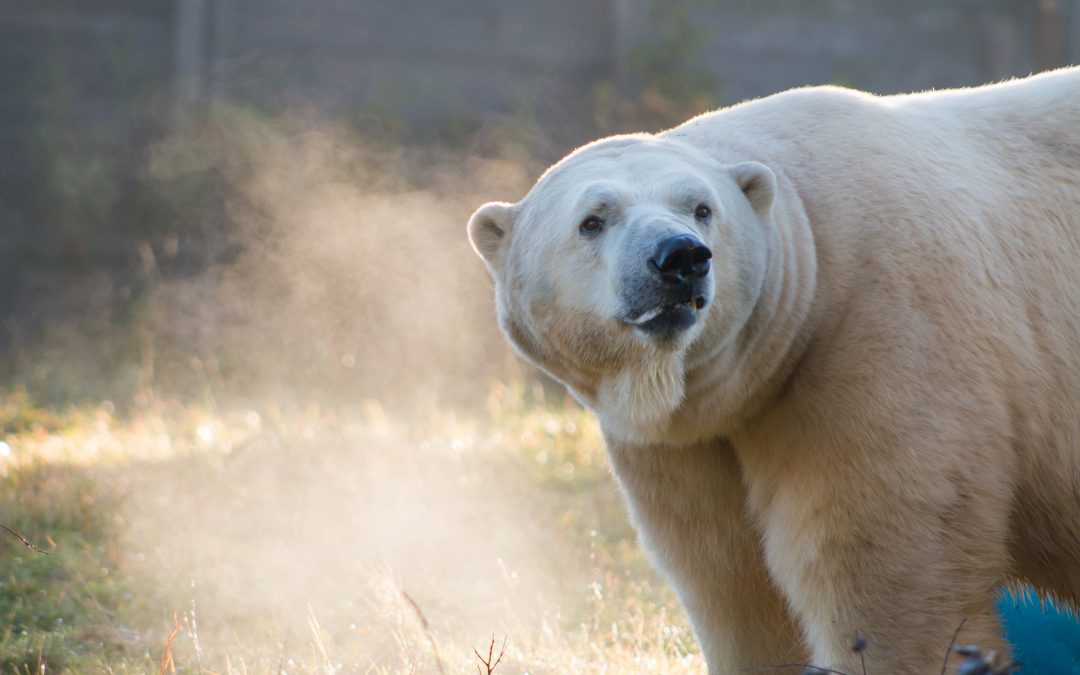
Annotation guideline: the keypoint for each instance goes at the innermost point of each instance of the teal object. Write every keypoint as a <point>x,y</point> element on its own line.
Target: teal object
<point>1045,635</point>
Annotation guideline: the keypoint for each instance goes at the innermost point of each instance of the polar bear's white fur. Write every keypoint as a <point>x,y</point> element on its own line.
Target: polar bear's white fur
<point>864,418</point>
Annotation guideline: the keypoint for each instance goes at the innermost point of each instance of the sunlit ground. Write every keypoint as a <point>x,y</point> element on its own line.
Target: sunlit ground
<point>323,540</point>
<point>283,536</point>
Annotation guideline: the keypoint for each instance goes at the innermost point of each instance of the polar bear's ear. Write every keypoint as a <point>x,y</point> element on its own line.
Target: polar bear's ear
<point>489,231</point>
<point>758,183</point>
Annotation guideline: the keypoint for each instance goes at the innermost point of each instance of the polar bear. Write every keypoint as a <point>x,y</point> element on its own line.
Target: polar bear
<point>833,341</point>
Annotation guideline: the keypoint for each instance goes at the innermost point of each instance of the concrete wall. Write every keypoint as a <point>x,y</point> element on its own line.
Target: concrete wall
<point>886,47</point>
<point>96,63</point>
<point>425,60</point>
<point>86,85</point>
<point>429,60</point>
<point>81,89</point>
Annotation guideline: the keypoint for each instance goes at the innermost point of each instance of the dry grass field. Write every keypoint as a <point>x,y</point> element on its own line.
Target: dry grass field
<point>316,540</point>
<point>283,427</point>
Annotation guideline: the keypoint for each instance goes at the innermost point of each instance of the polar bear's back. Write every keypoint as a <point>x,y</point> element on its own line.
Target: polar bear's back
<point>970,187</point>
<point>1035,119</point>
<point>947,233</point>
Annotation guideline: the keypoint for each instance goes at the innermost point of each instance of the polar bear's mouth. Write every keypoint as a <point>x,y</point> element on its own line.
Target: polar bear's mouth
<point>660,311</point>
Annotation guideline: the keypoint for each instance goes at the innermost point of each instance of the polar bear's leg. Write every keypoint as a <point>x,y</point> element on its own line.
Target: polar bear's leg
<point>689,507</point>
<point>740,620</point>
<point>901,564</point>
<point>1047,546</point>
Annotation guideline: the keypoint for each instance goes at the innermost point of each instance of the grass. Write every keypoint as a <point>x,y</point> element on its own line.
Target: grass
<point>323,540</point>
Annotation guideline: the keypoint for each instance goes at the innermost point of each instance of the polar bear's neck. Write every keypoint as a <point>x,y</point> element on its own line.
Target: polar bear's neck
<point>643,396</point>
<point>736,374</point>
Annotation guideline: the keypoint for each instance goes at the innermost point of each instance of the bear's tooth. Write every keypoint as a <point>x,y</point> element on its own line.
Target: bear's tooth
<point>647,316</point>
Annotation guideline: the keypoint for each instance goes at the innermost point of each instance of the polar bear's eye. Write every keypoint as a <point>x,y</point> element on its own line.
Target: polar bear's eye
<point>702,212</point>
<point>591,225</point>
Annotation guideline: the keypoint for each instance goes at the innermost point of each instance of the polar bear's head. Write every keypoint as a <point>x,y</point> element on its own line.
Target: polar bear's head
<point>624,259</point>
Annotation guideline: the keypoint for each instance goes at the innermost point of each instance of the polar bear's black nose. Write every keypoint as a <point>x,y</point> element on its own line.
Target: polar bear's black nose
<point>681,257</point>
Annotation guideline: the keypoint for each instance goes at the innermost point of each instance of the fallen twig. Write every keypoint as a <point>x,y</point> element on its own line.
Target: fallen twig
<point>952,643</point>
<point>488,664</point>
<point>26,542</point>
<point>860,648</point>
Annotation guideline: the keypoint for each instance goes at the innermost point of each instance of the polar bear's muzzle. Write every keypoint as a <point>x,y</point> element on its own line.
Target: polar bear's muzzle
<point>664,299</point>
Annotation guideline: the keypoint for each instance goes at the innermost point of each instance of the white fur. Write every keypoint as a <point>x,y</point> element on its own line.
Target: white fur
<point>876,420</point>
